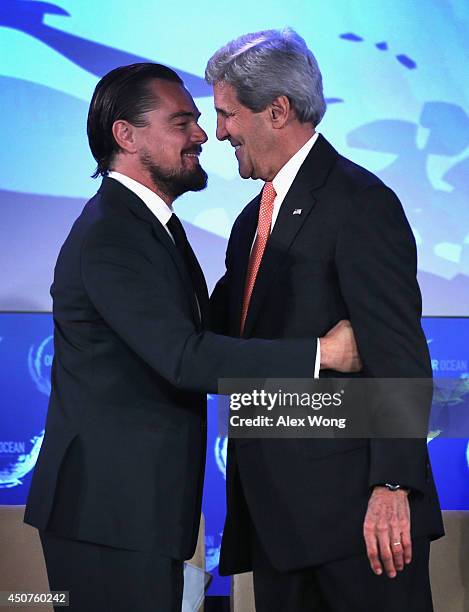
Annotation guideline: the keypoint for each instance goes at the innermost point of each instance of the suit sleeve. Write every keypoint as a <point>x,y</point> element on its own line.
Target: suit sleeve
<point>377,264</point>
<point>136,300</point>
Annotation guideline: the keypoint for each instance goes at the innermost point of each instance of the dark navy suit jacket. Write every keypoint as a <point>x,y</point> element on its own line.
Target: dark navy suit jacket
<point>350,254</point>
<point>122,461</point>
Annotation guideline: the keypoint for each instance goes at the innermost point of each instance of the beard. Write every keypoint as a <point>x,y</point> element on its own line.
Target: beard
<point>175,182</point>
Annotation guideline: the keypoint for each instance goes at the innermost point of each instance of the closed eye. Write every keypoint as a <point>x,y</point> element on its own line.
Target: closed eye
<point>223,113</point>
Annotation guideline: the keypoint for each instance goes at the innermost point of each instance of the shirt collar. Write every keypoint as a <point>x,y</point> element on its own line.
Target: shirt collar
<point>153,201</point>
<point>286,175</point>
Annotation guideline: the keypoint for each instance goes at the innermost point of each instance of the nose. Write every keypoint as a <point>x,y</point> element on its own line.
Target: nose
<point>199,135</point>
<point>222,132</point>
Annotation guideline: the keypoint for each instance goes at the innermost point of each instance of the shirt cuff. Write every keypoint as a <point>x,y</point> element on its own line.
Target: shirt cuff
<point>317,364</point>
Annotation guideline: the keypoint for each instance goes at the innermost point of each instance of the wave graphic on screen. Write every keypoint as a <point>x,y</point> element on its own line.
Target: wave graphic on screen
<point>15,465</point>
<point>94,57</point>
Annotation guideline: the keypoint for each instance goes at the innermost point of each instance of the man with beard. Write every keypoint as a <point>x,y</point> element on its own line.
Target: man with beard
<point>116,493</point>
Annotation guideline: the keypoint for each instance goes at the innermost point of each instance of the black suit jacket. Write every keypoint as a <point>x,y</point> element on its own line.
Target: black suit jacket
<point>122,460</point>
<point>350,254</point>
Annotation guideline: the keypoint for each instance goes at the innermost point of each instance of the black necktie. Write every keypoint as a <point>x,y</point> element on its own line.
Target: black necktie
<point>178,233</point>
<point>192,265</point>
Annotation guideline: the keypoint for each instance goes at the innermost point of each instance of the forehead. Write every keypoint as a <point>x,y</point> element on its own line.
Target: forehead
<point>224,95</point>
<point>173,97</point>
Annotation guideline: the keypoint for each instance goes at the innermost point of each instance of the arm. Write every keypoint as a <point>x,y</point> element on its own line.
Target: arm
<point>376,261</point>
<point>136,299</point>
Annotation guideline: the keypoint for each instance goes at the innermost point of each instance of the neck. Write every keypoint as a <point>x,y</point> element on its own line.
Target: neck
<point>144,178</point>
<point>289,146</point>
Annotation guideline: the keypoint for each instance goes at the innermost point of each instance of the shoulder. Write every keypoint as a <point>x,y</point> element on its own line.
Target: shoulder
<point>105,221</point>
<point>354,178</point>
<point>354,188</point>
<point>366,200</point>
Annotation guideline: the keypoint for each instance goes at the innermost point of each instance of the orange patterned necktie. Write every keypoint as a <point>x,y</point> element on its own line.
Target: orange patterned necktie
<point>263,232</point>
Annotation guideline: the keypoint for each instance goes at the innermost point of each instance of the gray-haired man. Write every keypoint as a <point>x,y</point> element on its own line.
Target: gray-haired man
<point>324,524</point>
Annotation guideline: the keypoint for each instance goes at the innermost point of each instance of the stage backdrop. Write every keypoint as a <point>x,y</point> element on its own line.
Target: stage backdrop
<point>395,76</point>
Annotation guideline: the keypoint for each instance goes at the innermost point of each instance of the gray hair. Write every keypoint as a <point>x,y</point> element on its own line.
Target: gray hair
<point>264,65</point>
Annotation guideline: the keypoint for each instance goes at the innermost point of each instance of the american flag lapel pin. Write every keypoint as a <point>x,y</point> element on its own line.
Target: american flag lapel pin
<point>297,211</point>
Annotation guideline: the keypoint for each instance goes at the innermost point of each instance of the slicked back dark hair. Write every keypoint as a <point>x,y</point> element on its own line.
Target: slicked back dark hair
<point>122,94</point>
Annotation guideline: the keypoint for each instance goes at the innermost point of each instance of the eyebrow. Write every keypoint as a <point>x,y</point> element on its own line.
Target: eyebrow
<point>182,114</point>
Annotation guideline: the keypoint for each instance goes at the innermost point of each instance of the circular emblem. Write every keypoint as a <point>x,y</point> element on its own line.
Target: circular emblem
<point>220,448</point>
<point>18,457</point>
<point>39,364</point>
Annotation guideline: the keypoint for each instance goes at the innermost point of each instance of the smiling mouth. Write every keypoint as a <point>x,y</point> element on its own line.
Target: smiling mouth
<point>192,155</point>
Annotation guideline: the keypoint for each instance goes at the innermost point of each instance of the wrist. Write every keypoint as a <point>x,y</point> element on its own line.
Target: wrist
<point>325,356</point>
<point>394,488</point>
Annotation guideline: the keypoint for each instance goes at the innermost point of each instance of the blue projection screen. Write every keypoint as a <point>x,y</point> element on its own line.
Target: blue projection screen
<point>395,77</point>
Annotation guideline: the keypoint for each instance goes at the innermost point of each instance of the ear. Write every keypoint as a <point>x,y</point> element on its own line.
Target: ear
<point>124,135</point>
<point>279,111</point>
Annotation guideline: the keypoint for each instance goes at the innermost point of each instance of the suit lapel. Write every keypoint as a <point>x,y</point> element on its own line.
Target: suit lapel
<point>301,195</point>
<point>140,210</point>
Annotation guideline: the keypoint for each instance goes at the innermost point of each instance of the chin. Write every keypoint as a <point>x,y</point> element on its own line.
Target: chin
<point>245,174</point>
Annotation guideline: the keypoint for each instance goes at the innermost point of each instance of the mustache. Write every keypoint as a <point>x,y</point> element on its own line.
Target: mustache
<point>197,150</point>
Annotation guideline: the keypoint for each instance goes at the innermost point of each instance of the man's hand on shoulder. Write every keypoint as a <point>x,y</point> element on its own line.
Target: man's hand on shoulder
<point>339,349</point>
<point>386,530</point>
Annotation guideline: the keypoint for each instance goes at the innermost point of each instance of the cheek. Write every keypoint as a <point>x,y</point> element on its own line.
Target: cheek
<point>258,136</point>
<point>169,151</point>
<point>155,146</point>
<point>257,145</point>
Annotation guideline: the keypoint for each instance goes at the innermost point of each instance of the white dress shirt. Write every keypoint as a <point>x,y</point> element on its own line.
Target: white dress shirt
<point>286,175</point>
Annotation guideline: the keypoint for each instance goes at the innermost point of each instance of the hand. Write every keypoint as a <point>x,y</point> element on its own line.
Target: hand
<point>387,531</point>
<point>339,350</point>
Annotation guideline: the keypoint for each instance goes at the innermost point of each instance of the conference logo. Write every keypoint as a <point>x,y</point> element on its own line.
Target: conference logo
<point>212,550</point>
<point>219,450</point>
<point>40,363</point>
<point>213,540</point>
<point>18,457</point>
